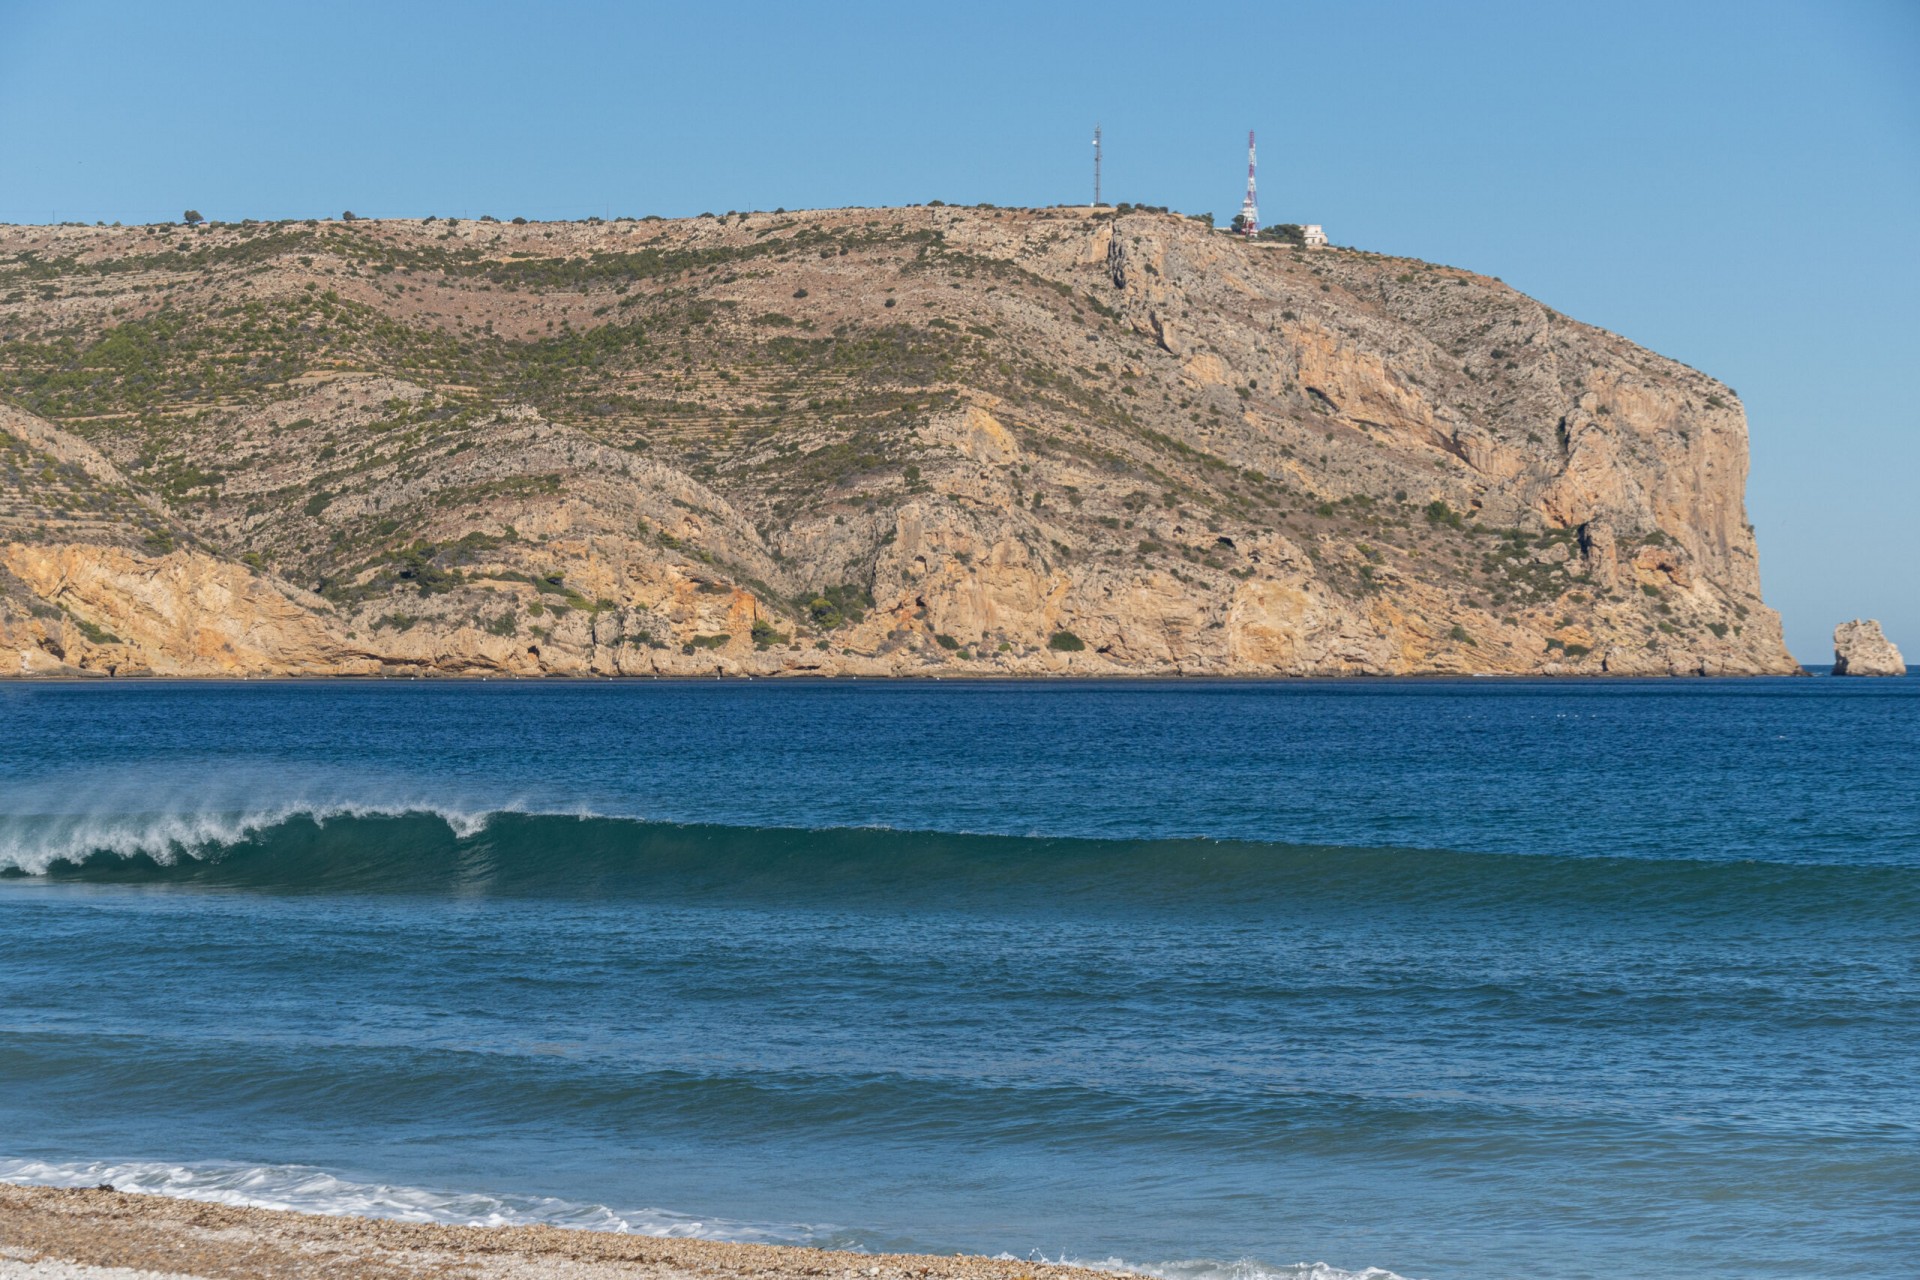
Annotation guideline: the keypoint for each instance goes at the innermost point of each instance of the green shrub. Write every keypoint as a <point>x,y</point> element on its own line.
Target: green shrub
<point>1458,634</point>
<point>836,606</point>
<point>946,642</point>
<point>97,634</point>
<point>764,635</point>
<point>1065,642</point>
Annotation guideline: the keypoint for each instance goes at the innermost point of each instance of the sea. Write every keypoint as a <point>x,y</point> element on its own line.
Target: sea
<point>1207,980</point>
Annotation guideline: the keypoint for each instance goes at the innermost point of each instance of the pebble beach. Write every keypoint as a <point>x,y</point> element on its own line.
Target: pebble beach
<point>49,1233</point>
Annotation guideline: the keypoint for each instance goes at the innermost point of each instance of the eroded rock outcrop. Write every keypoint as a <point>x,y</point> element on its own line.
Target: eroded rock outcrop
<point>179,614</point>
<point>1859,649</point>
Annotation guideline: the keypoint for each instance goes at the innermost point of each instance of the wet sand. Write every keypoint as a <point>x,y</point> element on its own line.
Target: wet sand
<point>60,1234</point>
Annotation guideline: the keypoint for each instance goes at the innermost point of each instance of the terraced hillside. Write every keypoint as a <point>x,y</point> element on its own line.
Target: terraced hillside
<point>884,441</point>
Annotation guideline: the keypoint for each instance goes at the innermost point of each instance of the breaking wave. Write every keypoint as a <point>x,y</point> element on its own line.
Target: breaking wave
<point>400,847</point>
<point>40,843</point>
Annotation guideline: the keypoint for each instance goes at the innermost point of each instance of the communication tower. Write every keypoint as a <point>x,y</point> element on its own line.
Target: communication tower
<point>1096,165</point>
<point>1250,207</point>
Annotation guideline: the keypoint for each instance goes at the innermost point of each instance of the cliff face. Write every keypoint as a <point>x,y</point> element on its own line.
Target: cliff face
<point>910,441</point>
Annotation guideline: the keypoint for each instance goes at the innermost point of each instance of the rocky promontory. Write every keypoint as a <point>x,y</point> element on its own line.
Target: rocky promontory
<point>913,441</point>
<point>1859,649</point>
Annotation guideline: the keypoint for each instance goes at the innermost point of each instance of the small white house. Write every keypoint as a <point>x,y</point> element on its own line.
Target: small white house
<point>1314,236</point>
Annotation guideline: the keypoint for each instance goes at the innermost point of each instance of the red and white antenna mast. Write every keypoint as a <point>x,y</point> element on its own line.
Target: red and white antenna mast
<point>1096,165</point>
<point>1250,207</point>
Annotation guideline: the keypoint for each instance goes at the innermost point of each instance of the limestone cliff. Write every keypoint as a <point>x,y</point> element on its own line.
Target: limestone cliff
<point>906,441</point>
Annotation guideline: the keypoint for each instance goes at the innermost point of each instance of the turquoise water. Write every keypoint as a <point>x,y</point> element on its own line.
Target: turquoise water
<point>1449,979</point>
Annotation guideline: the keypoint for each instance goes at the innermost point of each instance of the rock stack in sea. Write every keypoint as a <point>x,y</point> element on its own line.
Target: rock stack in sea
<point>1859,649</point>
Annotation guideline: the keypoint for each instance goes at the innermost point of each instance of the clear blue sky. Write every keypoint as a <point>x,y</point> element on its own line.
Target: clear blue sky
<point>1735,185</point>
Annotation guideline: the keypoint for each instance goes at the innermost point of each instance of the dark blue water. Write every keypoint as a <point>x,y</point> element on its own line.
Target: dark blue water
<point>1450,979</point>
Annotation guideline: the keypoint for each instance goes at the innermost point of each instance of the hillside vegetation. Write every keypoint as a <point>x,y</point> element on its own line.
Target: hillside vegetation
<point>928,440</point>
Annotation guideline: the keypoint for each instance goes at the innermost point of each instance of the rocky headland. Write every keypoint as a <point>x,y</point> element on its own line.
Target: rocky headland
<point>918,441</point>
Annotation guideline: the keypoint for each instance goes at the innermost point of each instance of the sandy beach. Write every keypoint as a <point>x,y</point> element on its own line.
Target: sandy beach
<point>61,1234</point>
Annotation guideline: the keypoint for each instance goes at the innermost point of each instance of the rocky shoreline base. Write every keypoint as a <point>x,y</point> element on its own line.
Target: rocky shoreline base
<point>51,1233</point>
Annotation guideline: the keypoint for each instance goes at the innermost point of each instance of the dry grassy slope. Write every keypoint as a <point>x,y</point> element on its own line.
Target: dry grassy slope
<point>902,441</point>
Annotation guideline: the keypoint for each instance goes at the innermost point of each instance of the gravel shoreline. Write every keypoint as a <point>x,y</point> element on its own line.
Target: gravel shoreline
<point>51,1233</point>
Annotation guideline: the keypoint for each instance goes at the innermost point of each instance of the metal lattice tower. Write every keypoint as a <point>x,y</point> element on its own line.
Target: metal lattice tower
<point>1096,164</point>
<point>1250,207</point>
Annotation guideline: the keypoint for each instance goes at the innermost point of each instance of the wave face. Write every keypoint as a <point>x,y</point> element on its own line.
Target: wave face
<point>361,848</point>
<point>1444,981</point>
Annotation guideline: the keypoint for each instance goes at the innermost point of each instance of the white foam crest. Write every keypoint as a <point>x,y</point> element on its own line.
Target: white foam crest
<point>1208,1269</point>
<point>33,843</point>
<point>185,809</point>
<point>308,1190</point>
